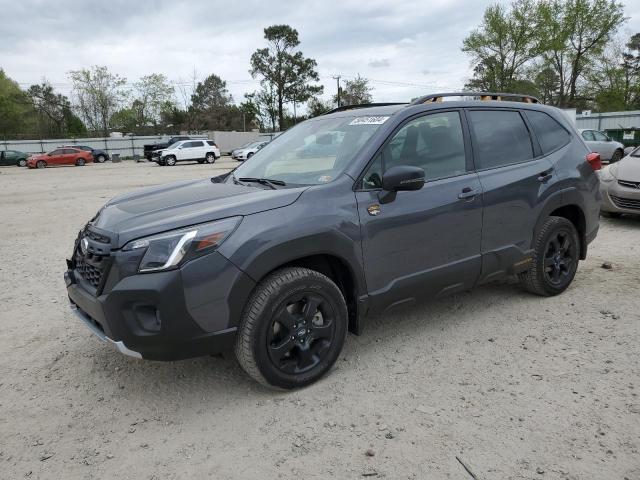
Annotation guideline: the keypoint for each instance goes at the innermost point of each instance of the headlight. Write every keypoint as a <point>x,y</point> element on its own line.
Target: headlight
<point>607,174</point>
<point>168,250</point>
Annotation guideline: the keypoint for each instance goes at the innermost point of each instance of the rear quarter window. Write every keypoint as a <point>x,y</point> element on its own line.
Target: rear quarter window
<point>551,135</point>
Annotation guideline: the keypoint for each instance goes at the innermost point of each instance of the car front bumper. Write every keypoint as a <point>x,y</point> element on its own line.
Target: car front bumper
<point>171,315</point>
<point>619,198</point>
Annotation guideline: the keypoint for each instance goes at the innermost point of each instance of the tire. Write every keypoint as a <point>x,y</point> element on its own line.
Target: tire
<point>170,161</point>
<point>617,156</point>
<point>250,155</point>
<point>41,164</point>
<point>610,214</point>
<point>80,162</point>
<point>210,158</point>
<point>22,162</point>
<point>101,158</point>
<point>273,347</point>
<point>161,162</point>
<point>555,258</point>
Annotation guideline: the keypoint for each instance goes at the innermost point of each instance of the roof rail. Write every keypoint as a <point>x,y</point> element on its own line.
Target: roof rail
<point>362,105</point>
<point>504,97</point>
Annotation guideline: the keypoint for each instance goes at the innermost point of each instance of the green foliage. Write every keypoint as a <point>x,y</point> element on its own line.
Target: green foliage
<point>15,107</point>
<point>285,74</point>
<point>99,94</point>
<point>152,93</point>
<point>317,106</point>
<point>355,92</point>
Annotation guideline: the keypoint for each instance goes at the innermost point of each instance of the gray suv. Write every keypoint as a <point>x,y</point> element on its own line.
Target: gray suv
<point>350,213</point>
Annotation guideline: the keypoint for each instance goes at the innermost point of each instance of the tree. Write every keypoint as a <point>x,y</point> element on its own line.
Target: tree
<point>285,73</point>
<point>210,102</point>
<point>98,94</point>
<point>317,106</point>
<point>265,103</point>
<point>502,46</point>
<point>574,34</point>
<point>152,93</point>
<point>15,106</point>
<point>355,92</point>
<point>53,111</point>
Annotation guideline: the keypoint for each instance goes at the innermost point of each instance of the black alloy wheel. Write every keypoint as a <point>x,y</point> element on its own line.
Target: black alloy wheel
<point>301,332</point>
<point>559,257</point>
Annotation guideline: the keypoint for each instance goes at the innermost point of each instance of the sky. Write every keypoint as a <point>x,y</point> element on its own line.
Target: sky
<point>405,48</point>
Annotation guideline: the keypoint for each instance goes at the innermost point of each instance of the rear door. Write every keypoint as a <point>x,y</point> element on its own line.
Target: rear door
<point>71,155</point>
<point>514,175</point>
<point>605,146</point>
<point>425,242</point>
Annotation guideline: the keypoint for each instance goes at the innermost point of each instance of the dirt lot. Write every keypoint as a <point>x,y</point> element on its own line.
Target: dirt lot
<point>514,385</point>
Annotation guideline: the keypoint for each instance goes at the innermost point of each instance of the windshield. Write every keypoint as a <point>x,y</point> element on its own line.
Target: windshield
<point>314,152</point>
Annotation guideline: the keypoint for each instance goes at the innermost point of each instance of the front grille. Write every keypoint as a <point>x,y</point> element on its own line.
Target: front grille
<point>91,268</point>
<point>625,202</point>
<point>626,183</point>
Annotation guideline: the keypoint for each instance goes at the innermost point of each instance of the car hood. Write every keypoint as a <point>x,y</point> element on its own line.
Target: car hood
<point>176,205</point>
<point>38,156</point>
<point>627,169</point>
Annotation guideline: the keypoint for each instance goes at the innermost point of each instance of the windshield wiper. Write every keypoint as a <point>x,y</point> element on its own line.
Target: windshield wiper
<point>269,182</point>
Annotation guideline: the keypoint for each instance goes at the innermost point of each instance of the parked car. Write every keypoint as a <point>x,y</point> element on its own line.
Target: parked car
<point>99,156</point>
<point>620,186</point>
<point>202,151</point>
<point>609,150</point>
<point>279,258</point>
<point>150,149</point>
<point>13,157</point>
<point>60,156</point>
<point>248,151</point>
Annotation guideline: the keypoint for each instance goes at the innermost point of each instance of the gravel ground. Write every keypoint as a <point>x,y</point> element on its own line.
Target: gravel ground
<point>513,385</point>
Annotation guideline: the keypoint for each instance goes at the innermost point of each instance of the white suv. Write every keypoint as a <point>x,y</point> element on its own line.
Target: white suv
<point>202,151</point>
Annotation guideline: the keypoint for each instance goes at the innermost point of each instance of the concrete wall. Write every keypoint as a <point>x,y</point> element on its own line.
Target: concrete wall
<point>129,146</point>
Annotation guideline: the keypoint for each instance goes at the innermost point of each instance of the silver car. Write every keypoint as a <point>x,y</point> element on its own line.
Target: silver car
<point>620,186</point>
<point>609,150</point>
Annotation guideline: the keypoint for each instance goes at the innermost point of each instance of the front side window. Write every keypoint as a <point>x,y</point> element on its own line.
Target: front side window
<point>314,152</point>
<point>501,138</point>
<point>600,137</point>
<point>550,133</point>
<point>57,152</point>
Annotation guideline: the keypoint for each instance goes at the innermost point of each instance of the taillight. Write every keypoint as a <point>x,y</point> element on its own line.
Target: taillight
<point>594,160</point>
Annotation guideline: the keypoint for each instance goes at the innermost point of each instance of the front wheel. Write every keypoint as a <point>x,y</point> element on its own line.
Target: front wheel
<point>555,258</point>
<point>22,162</point>
<point>41,164</point>
<point>293,328</point>
<point>170,161</point>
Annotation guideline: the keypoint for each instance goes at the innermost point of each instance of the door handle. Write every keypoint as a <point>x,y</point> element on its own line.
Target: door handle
<point>467,192</point>
<point>545,176</point>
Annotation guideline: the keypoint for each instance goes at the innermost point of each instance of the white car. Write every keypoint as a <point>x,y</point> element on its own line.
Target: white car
<point>247,151</point>
<point>202,151</point>
<point>609,150</point>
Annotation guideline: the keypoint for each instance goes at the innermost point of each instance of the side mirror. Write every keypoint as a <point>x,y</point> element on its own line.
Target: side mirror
<point>398,179</point>
<point>403,178</point>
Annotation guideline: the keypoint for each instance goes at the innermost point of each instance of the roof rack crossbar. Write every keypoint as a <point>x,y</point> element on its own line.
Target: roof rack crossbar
<point>439,97</point>
<point>362,105</point>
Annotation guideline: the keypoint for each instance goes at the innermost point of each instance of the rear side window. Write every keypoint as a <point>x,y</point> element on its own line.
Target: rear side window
<point>550,133</point>
<point>588,135</point>
<point>501,138</point>
<point>211,143</point>
<point>600,137</point>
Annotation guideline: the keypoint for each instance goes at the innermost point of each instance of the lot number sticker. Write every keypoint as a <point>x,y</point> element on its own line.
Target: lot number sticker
<point>369,120</point>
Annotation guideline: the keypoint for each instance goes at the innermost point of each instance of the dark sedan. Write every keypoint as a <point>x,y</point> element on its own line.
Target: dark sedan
<point>13,157</point>
<point>99,156</point>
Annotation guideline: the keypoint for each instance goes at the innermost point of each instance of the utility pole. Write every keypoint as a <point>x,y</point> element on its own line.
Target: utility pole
<point>337,79</point>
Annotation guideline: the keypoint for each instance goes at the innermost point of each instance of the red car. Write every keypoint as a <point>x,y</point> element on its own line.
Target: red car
<point>60,156</point>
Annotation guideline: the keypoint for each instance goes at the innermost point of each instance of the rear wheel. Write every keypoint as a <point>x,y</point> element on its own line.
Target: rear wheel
<point>617,156</point>
<point>80,162</point>
<point>101,158</point>
<point>293,328</point>
<point>555,258</point>
<point>41,164</point>
<point>170,161</point>
<point>210,158</point>
<point>22,162</point>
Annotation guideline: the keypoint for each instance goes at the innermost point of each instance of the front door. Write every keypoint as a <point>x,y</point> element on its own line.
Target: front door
<point>425,242</point>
